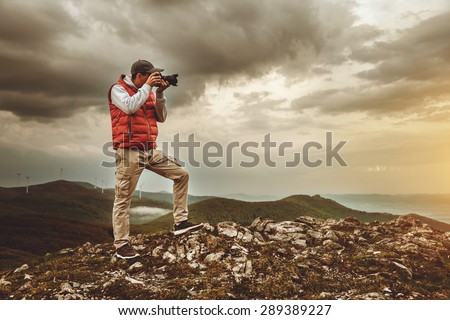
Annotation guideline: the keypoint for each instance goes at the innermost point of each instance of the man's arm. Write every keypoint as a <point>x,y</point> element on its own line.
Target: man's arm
<point>125,102</point>
<point>161,110</point>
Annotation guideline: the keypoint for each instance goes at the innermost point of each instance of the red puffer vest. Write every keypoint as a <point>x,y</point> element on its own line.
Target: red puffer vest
<point>134,130</point>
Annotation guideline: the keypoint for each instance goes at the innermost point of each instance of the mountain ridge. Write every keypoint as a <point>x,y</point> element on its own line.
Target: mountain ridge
<point>67,214</point>
<point>218,209</point>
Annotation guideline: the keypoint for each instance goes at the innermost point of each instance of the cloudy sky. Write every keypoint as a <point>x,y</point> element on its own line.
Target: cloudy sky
<point>374,73</point>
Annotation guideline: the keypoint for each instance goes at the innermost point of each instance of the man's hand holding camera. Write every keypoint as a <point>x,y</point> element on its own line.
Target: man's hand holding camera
<point>156,80</point>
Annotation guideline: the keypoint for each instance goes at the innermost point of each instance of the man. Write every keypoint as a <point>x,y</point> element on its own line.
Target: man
<point>135,112</point>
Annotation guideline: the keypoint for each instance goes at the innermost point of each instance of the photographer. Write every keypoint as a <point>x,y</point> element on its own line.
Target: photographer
<point>135,112</point>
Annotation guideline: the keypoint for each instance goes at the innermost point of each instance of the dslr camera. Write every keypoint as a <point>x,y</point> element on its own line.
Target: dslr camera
<point>171,78</point>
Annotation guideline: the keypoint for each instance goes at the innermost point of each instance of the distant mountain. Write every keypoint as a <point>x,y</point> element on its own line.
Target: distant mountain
<point>161,196</point>
<point>26,236</point>
<point>215,210</point>
<point>249,197</point>
<point>86,185</point>
<point>167,197</point>
<point>435,206</point>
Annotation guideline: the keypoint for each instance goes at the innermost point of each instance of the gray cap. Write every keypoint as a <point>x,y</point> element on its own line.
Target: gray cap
<point>143,66</point>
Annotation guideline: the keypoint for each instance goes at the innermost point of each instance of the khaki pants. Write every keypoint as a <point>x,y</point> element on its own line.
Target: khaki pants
<point>130,163</point>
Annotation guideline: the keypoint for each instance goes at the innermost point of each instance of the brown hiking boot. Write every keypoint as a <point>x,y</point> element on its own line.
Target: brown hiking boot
<point>127,252</point>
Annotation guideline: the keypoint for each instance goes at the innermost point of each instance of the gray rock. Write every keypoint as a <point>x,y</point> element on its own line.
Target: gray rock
<point>326,295</point>
<point>285,230</point>
<point>180,250</point>
<point>133,281</point>
<point>158,251</point>
<point>248,268</point>
<point>387,290</point>
<point>285,237</point>
<point>286,227</point>
<point>299,243</point>
<point>26,287</point>
<point>21,268</point>
<point>310,221</point>
<point>169,257</point>
<point>258,238</point>
<point>332,236</point>
<point>72,296</point>
<point>228,229</point>
<point>113,259</point>
<point>139,247</point>
<point>240,249</point>
<point>327,259</point>
<point>362,240</point>
<point>208,227</point>
<point>316,235</point>
<point>244,235</point>
<point>407,222</point>
<point>371,296</point>
<point>66,251</point>
<point>242,267</point>
<point>348,223</point>
<point>403,268</point>
<point>215,256</point>
<point>259,224</point>
<point>4,283</point>
<point>66,288</point>
<point>135,267</point>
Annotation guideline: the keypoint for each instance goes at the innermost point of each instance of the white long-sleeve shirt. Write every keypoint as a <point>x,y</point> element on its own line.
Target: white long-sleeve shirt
<point>130,104</point>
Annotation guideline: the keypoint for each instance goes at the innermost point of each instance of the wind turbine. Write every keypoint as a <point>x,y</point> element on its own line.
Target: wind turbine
<point>95,183</point>
<point>28,182</point>
<point>61,172</point>
<point>140,191</point>
<point>102,185</point>
<point>18,178</point>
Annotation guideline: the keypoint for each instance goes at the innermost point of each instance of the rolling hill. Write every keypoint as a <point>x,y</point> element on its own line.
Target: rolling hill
<point>160,197</point>
<point>215,210</point>
<point>25,237</point>
<point>53,216</point>
<point>168,197</point>
<point>65,199</point>
<point>63,214</point>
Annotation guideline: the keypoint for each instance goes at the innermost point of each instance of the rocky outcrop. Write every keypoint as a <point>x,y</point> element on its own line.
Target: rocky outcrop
<point>307,258</point>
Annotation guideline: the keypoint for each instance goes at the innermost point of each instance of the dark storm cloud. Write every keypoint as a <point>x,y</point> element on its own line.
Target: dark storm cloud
<point>422,53</point>
<point>216,40</point>
<point>394,99</point>
<point>41,107</point>
<point>32,26</point>
<point>41,78</point>
<point>230,37</point>
<point>47,52</point>
<point>410,74</point>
